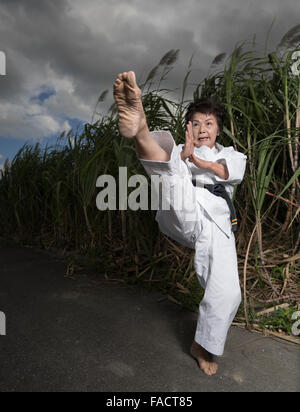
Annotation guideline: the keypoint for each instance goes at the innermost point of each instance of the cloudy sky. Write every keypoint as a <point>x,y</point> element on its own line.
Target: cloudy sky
<point>61,54</point>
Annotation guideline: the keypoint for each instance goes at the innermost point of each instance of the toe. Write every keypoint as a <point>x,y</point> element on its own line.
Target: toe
<point>213,368</point>
<point>208,371</point>
<point>131,79</point>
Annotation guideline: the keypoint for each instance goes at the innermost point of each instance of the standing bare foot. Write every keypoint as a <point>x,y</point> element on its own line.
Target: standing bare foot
<point>127,95</point>
<point>204,358</point>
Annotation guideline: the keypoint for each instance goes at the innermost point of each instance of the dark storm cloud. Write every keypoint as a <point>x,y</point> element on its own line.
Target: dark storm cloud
<point>42,32</point>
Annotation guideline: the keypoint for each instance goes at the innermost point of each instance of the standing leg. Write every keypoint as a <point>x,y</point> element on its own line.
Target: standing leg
<point>217,272</point>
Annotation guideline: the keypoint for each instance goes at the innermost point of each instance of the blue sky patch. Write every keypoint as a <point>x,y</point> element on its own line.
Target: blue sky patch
<point>43,93</point>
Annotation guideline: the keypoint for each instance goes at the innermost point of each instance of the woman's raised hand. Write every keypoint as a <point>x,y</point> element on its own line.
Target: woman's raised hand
<point>188,148</point>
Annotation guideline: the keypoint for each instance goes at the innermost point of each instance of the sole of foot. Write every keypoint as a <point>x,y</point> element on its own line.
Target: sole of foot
<point>127,96</point>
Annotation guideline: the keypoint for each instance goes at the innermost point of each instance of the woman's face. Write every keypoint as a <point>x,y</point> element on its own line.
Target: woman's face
<point>205,129</point>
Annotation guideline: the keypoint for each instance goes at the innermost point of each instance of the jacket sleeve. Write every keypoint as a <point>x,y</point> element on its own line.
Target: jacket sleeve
<point>236,165</point>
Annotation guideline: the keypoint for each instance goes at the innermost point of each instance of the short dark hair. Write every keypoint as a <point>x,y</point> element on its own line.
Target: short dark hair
<point>206,106</point>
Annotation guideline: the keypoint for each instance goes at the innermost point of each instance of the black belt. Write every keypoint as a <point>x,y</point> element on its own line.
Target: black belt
<point>219,190</point>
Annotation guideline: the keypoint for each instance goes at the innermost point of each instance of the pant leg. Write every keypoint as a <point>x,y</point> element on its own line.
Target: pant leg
<point>179,212</point>
<point>217,271</point>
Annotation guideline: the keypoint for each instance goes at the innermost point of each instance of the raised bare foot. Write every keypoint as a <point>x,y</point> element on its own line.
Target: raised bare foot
<point>127,95</point>
<point>204,358</point>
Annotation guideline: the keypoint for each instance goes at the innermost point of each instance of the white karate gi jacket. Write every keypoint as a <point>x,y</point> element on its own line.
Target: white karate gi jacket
<point>215,207</point>
<point>236,165</point>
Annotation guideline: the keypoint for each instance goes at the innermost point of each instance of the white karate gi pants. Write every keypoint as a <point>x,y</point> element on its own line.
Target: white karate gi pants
<point>215,253</point>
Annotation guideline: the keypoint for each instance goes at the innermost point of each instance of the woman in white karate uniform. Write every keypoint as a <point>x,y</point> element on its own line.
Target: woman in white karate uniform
<point>202,222</point>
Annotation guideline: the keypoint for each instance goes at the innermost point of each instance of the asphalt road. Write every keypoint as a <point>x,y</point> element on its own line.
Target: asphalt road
<point>90,335</point>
